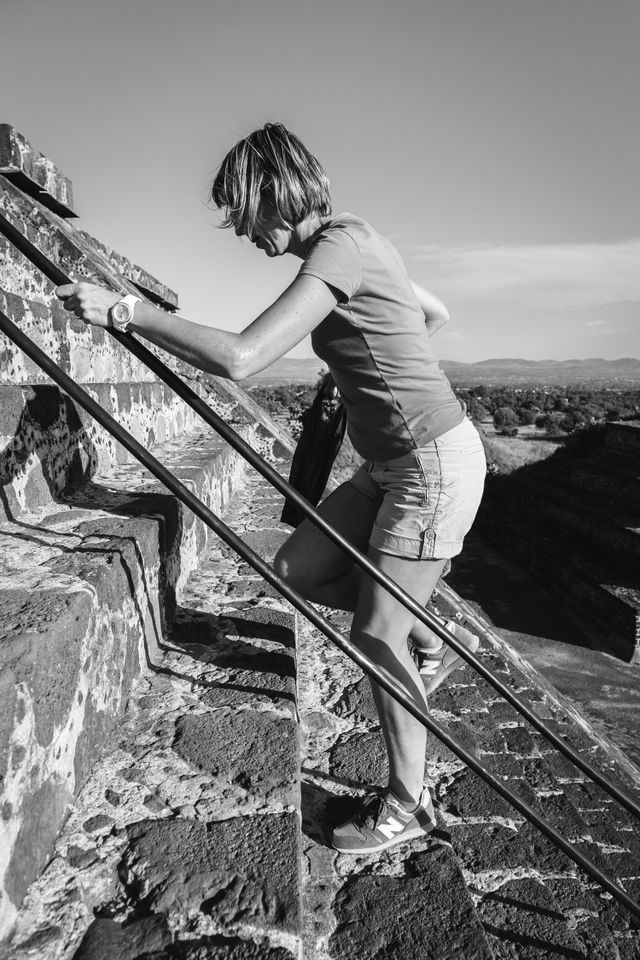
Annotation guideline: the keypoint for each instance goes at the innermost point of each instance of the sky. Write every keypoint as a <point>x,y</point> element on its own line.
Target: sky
<point>495,142</point>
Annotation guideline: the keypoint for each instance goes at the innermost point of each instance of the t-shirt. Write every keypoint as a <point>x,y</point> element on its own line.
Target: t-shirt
<point>376,345</point>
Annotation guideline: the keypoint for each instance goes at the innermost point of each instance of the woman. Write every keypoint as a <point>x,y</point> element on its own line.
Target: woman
<point>416,495</point>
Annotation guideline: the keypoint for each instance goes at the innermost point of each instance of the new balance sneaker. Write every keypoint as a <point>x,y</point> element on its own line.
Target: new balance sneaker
<point>383,822</point>
<point>435,666</point>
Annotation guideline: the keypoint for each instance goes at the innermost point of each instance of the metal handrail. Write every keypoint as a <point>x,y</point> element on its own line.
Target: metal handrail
<point>387,682</point>
<point>157,366</point>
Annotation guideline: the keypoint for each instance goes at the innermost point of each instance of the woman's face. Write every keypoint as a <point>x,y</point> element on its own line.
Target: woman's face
<point>270,233</point>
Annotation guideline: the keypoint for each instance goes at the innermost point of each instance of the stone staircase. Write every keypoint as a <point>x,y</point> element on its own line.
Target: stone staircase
<point>202,831</point>
<point>176,744</point>
<point>574,518</point>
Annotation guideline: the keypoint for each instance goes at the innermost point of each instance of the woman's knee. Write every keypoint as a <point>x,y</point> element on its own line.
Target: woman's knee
<point>291,568</point>
<point>281,563</point>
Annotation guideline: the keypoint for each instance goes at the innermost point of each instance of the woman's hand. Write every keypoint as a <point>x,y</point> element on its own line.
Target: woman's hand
<point>88,301</point>
<point>435,312</point>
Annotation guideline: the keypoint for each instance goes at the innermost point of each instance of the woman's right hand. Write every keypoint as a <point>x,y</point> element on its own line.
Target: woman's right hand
<point>88,301</point>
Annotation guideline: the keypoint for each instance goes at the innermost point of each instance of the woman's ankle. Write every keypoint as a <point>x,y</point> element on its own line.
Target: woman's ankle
<point>404,797</point>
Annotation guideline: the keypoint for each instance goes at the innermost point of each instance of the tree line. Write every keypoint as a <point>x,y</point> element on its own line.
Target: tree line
<point>556,410</point>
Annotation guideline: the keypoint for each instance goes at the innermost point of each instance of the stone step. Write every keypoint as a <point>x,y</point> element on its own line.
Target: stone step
<point>34,173</point>
<point>604,608</point>
<point>86,585</point>
<point>48,444</point>
<point>50,447</point>
<point>186,835</point>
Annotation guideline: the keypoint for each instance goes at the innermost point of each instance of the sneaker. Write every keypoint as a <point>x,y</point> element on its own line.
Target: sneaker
<point>435,666</point>
<point>382,822</point>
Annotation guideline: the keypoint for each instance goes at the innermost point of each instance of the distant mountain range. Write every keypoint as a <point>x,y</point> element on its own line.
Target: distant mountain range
<point>503,371</point>
<point>623,372</point>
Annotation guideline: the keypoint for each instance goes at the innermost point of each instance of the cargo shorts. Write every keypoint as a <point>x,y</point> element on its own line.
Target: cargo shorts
<point>428,497</point>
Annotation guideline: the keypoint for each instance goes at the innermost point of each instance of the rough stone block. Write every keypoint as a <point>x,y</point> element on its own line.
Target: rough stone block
<point>89,354</point>
<point>360,760</point>
<point>455,697</point>
<point>469,796</point>
<point>524,918</point>
<point>250,673</point>
<point>34,173</point>
<point>106,939</point>
<point>242,870</point>
<point>491,846</point>
<point>224,948</point>
<point>562,814</point>
<point>357,701</point>
<point>551,771</point>
<point>255,749</point>
<point>519,741</point>
<point>72,641</point>
<point>425,915</point>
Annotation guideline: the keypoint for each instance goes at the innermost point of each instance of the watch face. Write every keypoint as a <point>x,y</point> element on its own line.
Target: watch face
<point>120,313</point>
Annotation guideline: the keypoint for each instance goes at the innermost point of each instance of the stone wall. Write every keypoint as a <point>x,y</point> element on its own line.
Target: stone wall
<point>93,552</point>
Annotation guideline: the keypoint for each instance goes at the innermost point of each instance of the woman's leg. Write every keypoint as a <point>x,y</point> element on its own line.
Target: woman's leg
<point>317,567</point>
<point>322,572</point>
<point>380,628</point>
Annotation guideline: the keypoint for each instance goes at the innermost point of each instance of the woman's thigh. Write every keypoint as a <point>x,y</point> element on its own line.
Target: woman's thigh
<point>431,496</point>
<point>308,557</point>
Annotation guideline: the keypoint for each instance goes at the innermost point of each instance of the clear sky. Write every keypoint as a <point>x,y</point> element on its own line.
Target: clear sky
<point>496,142</point>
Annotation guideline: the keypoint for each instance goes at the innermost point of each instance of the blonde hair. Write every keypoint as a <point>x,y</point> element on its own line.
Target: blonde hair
<point>271,166</point>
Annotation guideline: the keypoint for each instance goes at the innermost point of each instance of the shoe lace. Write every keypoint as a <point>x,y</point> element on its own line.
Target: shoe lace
<point>374,810</point>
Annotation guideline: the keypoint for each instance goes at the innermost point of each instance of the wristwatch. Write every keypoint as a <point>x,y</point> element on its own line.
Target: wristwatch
<point>122,312</point>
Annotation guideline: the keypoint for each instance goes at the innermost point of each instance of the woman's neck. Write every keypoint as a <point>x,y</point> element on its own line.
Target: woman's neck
<point>304,234</point>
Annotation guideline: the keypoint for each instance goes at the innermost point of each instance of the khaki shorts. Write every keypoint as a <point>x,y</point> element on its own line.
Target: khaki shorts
<point>428,497</point>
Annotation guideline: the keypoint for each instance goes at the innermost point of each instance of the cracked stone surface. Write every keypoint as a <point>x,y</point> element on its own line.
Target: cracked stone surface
<point>234,871</point>
<point>193,817</point>
<point>425,913</point>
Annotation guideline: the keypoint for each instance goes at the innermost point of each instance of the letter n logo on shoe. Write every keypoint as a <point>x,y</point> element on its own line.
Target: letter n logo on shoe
<point>390,828</point>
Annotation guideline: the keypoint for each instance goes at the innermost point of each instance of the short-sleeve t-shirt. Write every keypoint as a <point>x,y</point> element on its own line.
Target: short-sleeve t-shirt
<point>376,345</point>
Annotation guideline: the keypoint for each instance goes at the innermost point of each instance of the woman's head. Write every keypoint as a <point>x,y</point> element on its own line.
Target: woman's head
<point>270,174</point>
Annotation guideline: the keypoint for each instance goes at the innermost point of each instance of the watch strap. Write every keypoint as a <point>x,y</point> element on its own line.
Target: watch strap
<point>129,300</point>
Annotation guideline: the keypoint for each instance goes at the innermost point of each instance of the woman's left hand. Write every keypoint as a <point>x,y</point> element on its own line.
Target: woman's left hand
<point>88,301</point>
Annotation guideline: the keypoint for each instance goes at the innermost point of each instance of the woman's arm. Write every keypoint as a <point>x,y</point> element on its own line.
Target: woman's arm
<point>435,312</point>
<point>300,308</point>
